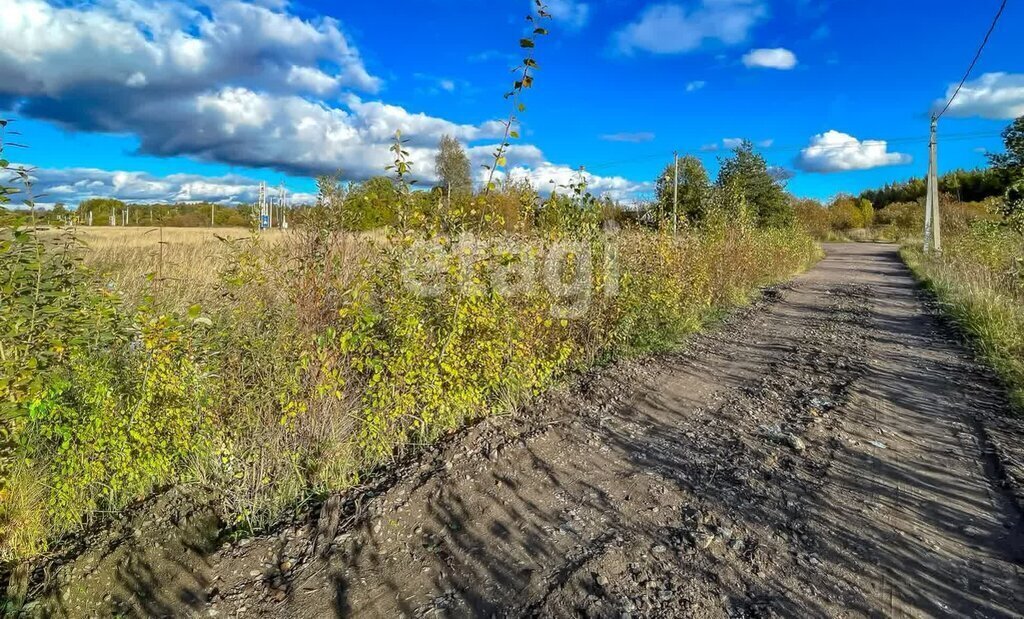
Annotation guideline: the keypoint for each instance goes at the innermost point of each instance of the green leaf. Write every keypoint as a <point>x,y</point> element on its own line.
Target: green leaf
<point>194,311</point>
<point>522,107</point>
<point>514,135</point>
<point>526,43</point>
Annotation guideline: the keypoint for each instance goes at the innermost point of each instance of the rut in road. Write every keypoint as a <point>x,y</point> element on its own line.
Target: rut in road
<point>831,451</point>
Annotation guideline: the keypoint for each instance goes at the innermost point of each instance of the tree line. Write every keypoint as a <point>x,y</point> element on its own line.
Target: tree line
<point>995,181</point>
<point>745,188</point>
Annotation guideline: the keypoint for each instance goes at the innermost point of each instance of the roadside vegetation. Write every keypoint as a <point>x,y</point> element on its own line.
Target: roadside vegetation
<point>272,368</point>
<point>304,361</point>
<point>979,275</point>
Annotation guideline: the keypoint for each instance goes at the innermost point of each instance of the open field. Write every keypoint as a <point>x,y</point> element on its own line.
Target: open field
<point>186,261</point>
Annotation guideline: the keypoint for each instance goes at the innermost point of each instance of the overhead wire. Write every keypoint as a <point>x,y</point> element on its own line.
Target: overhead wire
<point>981,48</point>
<point>826,147</point>
<point>923,139</point>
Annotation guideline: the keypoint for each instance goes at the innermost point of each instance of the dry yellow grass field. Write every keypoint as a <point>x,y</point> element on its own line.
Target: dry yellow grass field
<point>184,261</point>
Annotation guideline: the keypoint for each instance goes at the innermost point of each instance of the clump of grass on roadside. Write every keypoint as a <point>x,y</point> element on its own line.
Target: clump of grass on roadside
<point>979,280</point>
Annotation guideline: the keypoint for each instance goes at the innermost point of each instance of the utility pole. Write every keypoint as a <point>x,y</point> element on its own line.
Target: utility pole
<point>928,198</point>
<point>934,187</point>
<point>264,216</point>
<point>282,221</point>
<point>675,194</point>
<point>932,223</point>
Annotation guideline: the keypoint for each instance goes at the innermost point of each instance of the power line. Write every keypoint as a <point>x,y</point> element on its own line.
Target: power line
<point>796,147</point>
<point>991,28</point>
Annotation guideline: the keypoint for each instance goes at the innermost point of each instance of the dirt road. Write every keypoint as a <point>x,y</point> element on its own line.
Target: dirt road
<point>833,451</point>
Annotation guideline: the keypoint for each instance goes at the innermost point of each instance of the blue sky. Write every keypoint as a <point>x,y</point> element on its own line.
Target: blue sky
<point>199,100</point>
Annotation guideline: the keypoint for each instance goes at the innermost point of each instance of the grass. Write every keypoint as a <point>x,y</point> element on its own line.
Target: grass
<point>274,368</point>
<point>979,282</point>
<point>186,261</point>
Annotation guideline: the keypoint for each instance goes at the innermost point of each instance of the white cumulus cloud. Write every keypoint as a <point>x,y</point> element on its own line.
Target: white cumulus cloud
<point>239,83</point>
<point>51,49</point>
<point>834,151</point>
<point>695,85</point>
<point>672,28</point>
<point>571,13</point>
<point>998,96</point>
<point>774,58</point>
<point>731,143</point>
<point>73,185</point>
<point>641,136</point>
<point>547,177</point>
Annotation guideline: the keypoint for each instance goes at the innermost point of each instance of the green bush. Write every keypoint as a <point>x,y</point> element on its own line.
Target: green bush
<point>321,361</point>
<point>98,408</point>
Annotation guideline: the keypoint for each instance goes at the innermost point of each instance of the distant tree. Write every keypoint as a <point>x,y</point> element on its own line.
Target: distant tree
<point>330,192</point>
<point>58,213</point>
<point>372,204</point>
<point>965,185</point>
<point>101,209</point>
<point>954,183</point>
<point>328,213</point>
<point>729,203</point>
<point>694,189</point>
<point>867,211</point>
<point>1012,161</point>
<point>747,172</point>
<point>452,166</point>
<point>812,216</point>
<point>1010,167</point>
<point>845,213</point>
